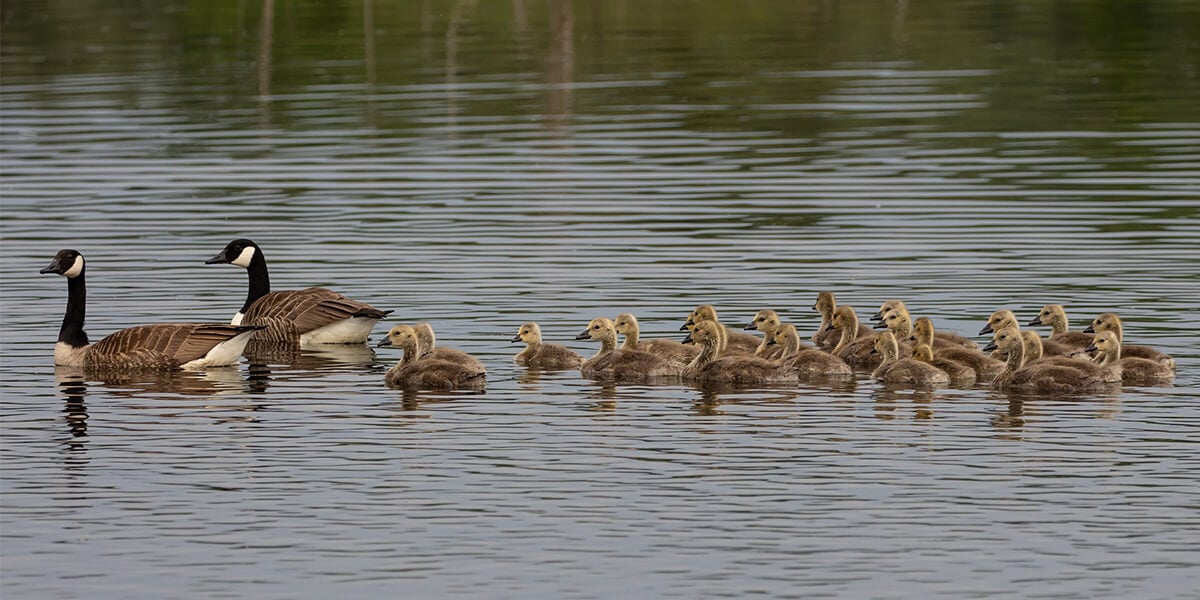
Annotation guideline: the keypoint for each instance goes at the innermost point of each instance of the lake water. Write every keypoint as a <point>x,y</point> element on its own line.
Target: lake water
<point>480,164</point>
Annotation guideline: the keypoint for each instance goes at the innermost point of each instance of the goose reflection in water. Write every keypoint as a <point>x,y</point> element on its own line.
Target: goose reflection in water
<point>283,362</point>
<point>888,400</point>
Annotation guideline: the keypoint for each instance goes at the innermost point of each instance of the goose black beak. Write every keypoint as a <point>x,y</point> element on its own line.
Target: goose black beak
<point>1089,329</point>
<point>750,327</point>
<point>53,267</point>
<point>583,336</point>
<point>1034,322</point>
<point>990,347</point>
<point>685,326</point>
<point>880,325</point>
<point>384,343</point>
<point>516,338</point>
<point>217,260</point>
<point>986,329</point>
<point>688,339</point>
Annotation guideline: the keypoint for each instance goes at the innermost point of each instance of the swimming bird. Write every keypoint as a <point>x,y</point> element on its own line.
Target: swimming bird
<point>986,368</point>
<point>1005,318</point>
<point>307,316</point>
<point>731,341</point>
<point>905,371</point>
<point>856,351</point>
<point>710,367</point>
<point>900,321</point>
<point>1132,370</point>
<point>766,321</point>
<point>807,362</point>
<point>157,347</point>
<point>885,308</point>
<point>825,337</point>
<point>1056,317</point>
<point>1034,353</point>
<point>430,348</point>
<point>959,373</point>
<point>1037,377</point>
<point>672,350</point>
<point>414,371</point>
<point>629,366</point>
<point>540,355</point>
<point>1111,322</point>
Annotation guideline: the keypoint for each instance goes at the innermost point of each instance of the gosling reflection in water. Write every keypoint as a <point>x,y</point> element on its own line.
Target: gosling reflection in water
<point>888,400</point>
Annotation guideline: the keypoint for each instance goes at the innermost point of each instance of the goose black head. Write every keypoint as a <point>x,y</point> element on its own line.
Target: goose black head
<point>68,263</point>
<point>238,252</point>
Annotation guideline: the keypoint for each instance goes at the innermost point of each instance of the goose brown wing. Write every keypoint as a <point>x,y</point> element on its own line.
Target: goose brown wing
<point>176,343</point>
<point>309,309</point>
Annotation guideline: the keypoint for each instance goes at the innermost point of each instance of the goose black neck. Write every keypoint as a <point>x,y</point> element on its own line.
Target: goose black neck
<point>260,280</point>
<point>72,332</point>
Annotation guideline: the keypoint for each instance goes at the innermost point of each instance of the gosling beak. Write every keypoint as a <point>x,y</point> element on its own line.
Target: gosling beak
<point>986,329</point>
<point>384,343</point>
<point>688,339</point>
<point>583,336</point>
<point>912,338</point>
<point>750,327</point>
<point>217,260</point>
<point>878,316</point>
<point>828,327</point>
<point>1034,322</point>
<point>1091,348</point>
<point>990,347</point>
<point>690,323</point>
<point>880,325</point>
<point>1089,329</point>
<point>516,338</point>
<point>873,351</point>
<point>771,342</point>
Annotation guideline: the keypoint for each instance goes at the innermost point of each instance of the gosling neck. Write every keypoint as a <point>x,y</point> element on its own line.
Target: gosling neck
<point>1016,358</point>
<point>1058,323</point>
<point>412,350</point>
<point>708,353</point>
<point>631,339</point>
<point>608,343</point>
<point>847,337</point>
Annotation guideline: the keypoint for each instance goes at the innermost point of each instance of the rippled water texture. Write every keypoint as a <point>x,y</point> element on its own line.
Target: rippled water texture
<point>480,164</point>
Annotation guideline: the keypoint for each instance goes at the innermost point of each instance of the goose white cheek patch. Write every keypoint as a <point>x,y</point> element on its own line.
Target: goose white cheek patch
<point>243,259</point>
<point>75,269</point>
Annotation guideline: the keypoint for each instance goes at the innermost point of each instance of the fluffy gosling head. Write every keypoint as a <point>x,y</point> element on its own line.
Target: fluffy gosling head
<point>999,320</point>
<point>765,320</point>
<point>530,333</point>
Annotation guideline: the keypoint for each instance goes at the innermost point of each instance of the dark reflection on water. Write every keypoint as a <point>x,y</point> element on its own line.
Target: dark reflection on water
<point>482,164</point>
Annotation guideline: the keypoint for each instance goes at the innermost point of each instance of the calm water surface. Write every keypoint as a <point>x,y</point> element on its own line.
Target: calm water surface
<point>482,164</point>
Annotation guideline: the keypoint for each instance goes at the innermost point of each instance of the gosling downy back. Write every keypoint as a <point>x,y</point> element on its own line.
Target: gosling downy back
<point>807,362</point>
<point>903,371</point>
<point>1111,322</point>
<point>672,350</point>
<point>540,355</point>
<point>428,340</point>
<point>416,372</point>
<point>1035,377</point>
<point>710,367</point>
<point>622,366</point>
<point>1131,370</point>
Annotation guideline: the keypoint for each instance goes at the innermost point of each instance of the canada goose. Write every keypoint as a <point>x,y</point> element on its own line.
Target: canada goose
<point>825,337</point>
<point>710,367</point>
<point>674,351</point>
<point>415,371</point>
<point>766,321</point>
<point>1056,317</point>
<point>731,341</point>
<point>1036,377</point>
<point>856,351</point>
<point>986,368</point>
<point>1132,370</point>
<point>885,308</point>
<point>430,348</point>
<point>161,347</point>
<point>900,321</point>
<point>540,355</point>
<point>1034,353</point>
<point>1111,322</point>
<point>907,371</point>
<point>959,373</point>
<point>621,365</point>
<point>307,316</point>
<point>807,362</point>
<point>1004,318</point>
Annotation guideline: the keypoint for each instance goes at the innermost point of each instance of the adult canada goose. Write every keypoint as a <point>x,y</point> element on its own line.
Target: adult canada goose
<point>959,373</point>
<point>540,355</point>
<point>1037,377</point>
<point>1111,322</point>
<point>621,365</point>
<point>674,351</point>
<point>807,362</point>
<point>308,316</point>
<point>1004,318</point>
<point>1132,370</point>
<point>825,337</point>
<point>856,351</point>
<point>905,371</point>
<point>1056,317</point>
<point>158,347</point>
<point>415,371</point>
<point>731,341</point>
<point>710,367</point>
<point>430,348</point>
<point>986,368</point>
<point>766,321</point>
